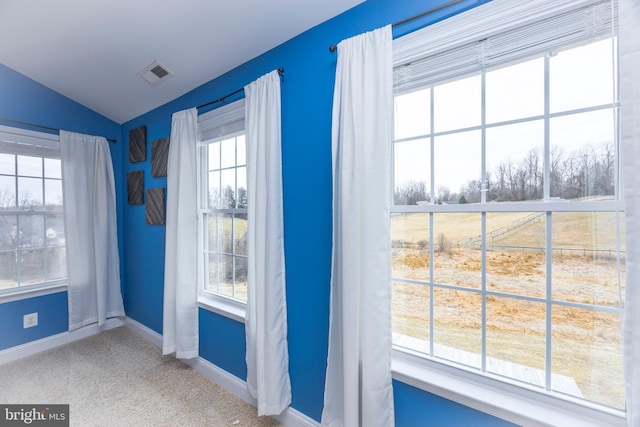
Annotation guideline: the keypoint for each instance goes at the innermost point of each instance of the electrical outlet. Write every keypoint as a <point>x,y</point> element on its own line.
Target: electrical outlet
<point>30,320</point>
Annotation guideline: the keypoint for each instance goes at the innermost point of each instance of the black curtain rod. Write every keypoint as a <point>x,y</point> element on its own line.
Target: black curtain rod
<point>223,98</point>
<point>40,126</point>
<point>333,47</point>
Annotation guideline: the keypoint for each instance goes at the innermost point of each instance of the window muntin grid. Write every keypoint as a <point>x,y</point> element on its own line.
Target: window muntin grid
<point>32,228</point>
<point>485,268</point>
<point>223,201</point>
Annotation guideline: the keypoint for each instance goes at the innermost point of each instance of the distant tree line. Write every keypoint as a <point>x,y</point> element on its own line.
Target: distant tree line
<point>589,171</point>
<point>228,198</point>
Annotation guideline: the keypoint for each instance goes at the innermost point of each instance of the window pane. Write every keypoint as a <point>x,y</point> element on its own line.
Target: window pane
<point>56,263</point>
<point>515,92</point>
<point>225,271</point>
<point>412,114</point>
<point>8,270</point>
<point>241,146</point>
<point>30,193</point>
<point>214,274</point>
<point>31,231</point>
<point>53,194</point>
<point>410,315</point>
<point>581,77</point>
<point>228,188</point>
<point>52,168</point>
<point>240,234</point>
<point>214,190</point>
<point>410,246</point>
<point>54,231</point>
<point>516,339</point>
<point>241,174</point>
<point>515,259</point>
<point>457,261</point>
<point>240,289</point>
<point>214,232</point>
<point>457,165</point>
<point>457,104</point>
<point>457,326</point>
<point>8,232</point>
<point>214,155</point>
<point>30,166</point>
<point>583,155</point>
<point>515,162</point>
<point>587,348</point>
<point>228,153</point>
<point>7,164</point>
<point>32,267</point>
<point>585,263</point>
<point>412,172</point>
<point>225,242</point>
<point>7,192</point>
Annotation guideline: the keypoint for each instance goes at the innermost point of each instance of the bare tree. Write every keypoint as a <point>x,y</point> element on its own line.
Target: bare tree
<point>7,199</point>
<point>411,193</point>
<point>556,170</point>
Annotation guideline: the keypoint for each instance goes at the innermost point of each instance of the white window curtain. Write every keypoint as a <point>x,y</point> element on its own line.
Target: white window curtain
<point>629,45</point>
<point>358,390</point>
<point>266,316</point>
<point>180,311</point>
<point>91,230</point>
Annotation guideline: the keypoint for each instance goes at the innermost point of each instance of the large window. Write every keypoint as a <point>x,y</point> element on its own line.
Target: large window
<point>223,202</point>
<point>32,237</point>
<point>507,224</point>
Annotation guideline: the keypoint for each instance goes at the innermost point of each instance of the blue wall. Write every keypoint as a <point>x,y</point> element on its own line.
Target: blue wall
<point>306,154</point>
<point>25,100</point>
<point>415,408</point>
<point>222,342</point>
<point>52,319</point>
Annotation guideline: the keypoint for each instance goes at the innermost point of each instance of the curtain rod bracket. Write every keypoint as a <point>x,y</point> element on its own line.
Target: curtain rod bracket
<point>281,73</point>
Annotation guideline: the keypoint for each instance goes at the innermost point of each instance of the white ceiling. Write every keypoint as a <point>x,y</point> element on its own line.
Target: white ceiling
<point>92,50</point>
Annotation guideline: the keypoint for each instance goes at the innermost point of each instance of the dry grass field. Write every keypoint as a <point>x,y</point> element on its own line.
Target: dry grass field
<point>585,344</point>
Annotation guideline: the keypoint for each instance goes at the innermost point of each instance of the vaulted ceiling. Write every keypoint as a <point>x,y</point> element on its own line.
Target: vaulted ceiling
<point>92,50</point>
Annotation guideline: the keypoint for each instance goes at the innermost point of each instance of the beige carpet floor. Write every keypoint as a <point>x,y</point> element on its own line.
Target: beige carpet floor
<point>116,378</point>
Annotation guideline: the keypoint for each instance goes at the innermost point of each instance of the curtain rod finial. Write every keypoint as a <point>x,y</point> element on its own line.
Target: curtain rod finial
<point>281,73</point>
<point>333,48</point>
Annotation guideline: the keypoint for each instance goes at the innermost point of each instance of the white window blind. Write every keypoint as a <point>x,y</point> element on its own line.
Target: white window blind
<point>226,120</point>
<point>462,45</point>
<point>29,143</point>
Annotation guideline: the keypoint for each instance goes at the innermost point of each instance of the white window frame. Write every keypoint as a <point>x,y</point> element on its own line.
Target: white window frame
<point>38,144</point>
<point>458,36</point>
<point>218,124</point>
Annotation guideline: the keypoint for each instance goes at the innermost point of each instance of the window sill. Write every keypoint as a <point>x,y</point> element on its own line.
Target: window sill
<point>514,403</point>
<point>226,307</point>
<point>26,292</point>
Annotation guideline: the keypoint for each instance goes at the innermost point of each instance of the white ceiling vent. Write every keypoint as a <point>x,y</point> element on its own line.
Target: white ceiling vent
<point>155,73</point>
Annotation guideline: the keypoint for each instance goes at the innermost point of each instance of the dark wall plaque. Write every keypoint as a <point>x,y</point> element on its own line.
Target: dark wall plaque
<point>138,144</point>
<point>135,187</point>
<point>155,206</point>
<point>159,156</point>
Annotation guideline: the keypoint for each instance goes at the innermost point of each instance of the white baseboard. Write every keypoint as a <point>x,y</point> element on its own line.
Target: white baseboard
<point>228,381</point>
<point>294,418</point>
<point>143,331</point>
<point>53,341</point>
<point>289,418</point>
